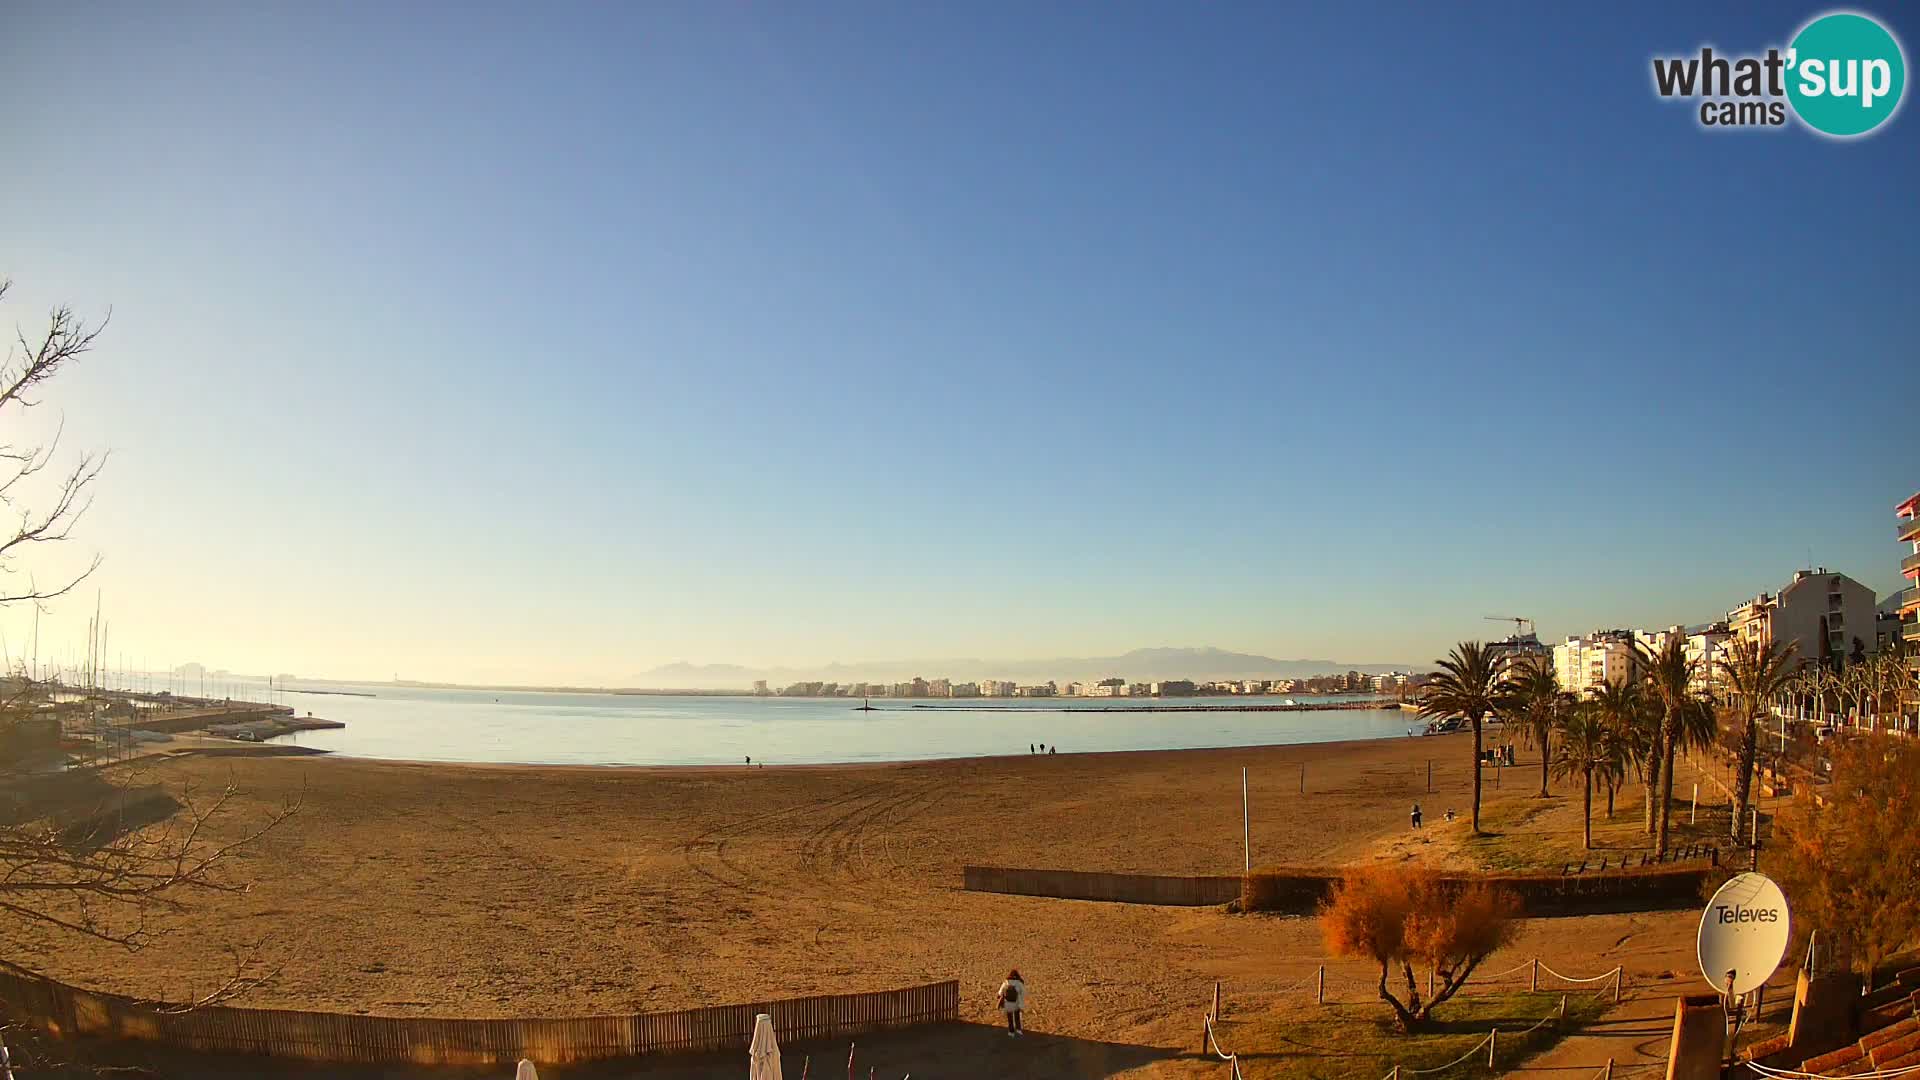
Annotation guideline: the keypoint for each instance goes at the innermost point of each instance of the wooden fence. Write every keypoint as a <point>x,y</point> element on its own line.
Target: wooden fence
<point>1117,888</point>
<point>68,1011</point>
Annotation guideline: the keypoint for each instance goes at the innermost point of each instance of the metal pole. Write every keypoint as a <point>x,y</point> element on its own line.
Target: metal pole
<point>1320,986</point>
<point>1303,778</point>
<point>1533,983</point>
<point>1753,850</point>
<point>1693,810</point>
<point>1246,826</point>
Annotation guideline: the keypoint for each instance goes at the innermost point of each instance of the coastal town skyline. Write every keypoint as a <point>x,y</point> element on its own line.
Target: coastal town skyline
<point>1858,619</point>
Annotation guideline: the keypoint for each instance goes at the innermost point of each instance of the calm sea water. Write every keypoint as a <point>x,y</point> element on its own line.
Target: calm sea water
<point>605,729</point>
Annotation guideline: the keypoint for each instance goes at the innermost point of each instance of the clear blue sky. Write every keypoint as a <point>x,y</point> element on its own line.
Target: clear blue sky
<point>552,344</point>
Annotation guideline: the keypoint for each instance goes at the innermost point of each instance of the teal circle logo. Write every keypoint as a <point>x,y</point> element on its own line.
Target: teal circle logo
<point>1845,74</point>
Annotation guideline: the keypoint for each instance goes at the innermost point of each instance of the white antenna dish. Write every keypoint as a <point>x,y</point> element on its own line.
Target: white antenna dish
<point>1743,934</point>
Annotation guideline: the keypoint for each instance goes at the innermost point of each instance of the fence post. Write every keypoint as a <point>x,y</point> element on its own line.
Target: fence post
<point>1563,1006</point>
<point>1215,1014</point>
<point>1320,986</point>
<point>1619,972</point>
<point>1492,1037</point>
<point>1533,981</point>
<point>1609,1069</point>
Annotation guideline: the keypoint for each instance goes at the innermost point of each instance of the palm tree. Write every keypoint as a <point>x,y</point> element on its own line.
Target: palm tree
<point>1586,746</point>
<point>1670,687</point>
<point>1623,707</point>
<point>1756,673</point>
<point>1533,701</point>
<point>1468,685</point>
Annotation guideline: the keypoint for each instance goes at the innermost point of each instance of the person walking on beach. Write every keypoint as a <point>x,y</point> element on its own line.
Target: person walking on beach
<point>1416,815</point>
<point>1013,999</point>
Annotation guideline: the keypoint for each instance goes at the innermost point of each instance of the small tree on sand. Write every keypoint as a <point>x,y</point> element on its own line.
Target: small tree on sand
<point>1407,917</point>
<point>1852,867</point>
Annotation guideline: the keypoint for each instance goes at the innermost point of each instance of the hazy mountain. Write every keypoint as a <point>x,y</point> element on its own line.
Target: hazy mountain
<point>699,676</point>
<point>1139,665</point>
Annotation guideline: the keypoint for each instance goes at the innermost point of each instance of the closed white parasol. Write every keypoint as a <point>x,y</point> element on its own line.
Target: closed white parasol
<point>526,1071</point>
<point>763,1057</point>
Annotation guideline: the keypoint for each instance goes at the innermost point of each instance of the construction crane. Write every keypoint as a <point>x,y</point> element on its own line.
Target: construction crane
<point>1522,626</point>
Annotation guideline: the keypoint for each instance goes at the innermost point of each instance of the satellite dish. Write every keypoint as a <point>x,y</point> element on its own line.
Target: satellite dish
<point>1743,932</point>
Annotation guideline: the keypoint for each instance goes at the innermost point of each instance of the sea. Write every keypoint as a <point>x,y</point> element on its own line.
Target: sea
<point>409,723</point>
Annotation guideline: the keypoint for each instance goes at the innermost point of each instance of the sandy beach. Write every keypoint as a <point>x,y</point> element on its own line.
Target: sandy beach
<point>409,889</point>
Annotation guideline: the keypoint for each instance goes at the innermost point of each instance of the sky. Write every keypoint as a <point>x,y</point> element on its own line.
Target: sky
<point>502,343</point>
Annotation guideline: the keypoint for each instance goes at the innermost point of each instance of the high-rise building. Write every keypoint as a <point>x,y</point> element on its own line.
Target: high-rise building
<point>1907,521</point>
<point>1829,616</point>
<point>1593,660</point>
<point>1521,648</point>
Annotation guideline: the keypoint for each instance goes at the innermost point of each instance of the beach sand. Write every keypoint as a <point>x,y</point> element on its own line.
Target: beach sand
<point>413,889</point>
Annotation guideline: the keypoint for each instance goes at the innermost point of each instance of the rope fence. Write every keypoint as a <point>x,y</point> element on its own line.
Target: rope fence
<point>1232,1060</point>
<point>1612,981</point>
<point>1534,968</point>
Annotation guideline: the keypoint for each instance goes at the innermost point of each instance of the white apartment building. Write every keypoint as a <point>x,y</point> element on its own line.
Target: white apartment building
<point>1589,661</point>
<point>1826,614</point>
<point>1704,645</point>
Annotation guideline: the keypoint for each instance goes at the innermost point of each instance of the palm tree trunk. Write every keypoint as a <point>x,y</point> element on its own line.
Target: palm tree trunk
<point>1546,744</point>
<point>1476,775</point>
<point>1743,788</point>
<point>1586,822</point>
<point>1653,785</point>
<point>1669,738</point>
<point>1609,797</point>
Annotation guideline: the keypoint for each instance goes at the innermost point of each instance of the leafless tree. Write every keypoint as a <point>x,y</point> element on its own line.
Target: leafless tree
<point>88,850</point>
<point>29,363</point>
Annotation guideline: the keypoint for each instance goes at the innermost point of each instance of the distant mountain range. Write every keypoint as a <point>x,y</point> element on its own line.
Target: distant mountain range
<point>1139,665</point>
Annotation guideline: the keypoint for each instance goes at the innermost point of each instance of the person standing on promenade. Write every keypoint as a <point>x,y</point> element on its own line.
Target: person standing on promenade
<point>1013,1000</point>
<point>1416,815</point>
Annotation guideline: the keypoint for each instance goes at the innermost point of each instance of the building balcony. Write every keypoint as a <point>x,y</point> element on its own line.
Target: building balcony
<point>1906,600</point>
<point>1910,565</point>
<point>1911,631</point>
<point>1907,528</point>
